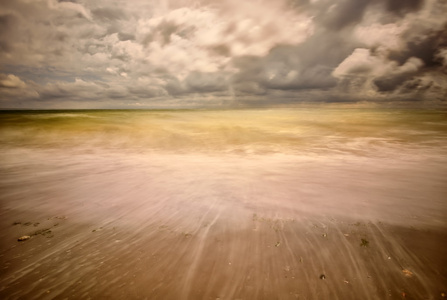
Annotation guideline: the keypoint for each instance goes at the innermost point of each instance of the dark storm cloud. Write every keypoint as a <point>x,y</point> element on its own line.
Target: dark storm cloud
<point>309,65</point>
<point>283,72</point>
<point>123,36</point>
<point>145,92</point>
<point>108,14</point>
<point>401,7</point>
<point>220,49</point>
<point>404,62</point>
<point>206,82</point>
<point>424,47</point>
<point>7,23</point>
<point>174,86</point>
<point>267,52</point>
<point>196,82</point>
<point>306,66</point>
<point>415,84</point>
<point>342,13</point>
<point>390,83</point>
<point>339,14</point>
<point>166,29</point>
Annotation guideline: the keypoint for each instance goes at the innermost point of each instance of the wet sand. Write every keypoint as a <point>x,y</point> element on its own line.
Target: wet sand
<point>204,227</point>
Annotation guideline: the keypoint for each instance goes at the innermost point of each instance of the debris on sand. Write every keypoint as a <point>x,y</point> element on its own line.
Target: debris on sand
<point>42,232</point>
<point>58,217</point>
<point>407,273</point>
<point>23,238</point>
<point>255,217</point>
<point>97,229</point>
<point>322,276</point>
<point>364,243</point>
<point>277,244</point>
<point>187,235</point>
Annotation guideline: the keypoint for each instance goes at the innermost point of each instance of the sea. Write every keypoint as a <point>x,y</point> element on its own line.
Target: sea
<point>382,164</point>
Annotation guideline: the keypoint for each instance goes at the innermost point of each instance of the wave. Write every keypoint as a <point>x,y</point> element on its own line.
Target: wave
<point>304,131</point>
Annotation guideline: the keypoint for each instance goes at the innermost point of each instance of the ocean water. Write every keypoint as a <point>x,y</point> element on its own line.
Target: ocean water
<point>381,164</point>
<point>308,132</point>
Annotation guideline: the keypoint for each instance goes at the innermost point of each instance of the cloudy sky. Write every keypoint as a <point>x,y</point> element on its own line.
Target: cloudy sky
<point>147,53</point>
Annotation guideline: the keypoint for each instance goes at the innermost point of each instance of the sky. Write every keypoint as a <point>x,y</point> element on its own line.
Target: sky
<point>221,53</point>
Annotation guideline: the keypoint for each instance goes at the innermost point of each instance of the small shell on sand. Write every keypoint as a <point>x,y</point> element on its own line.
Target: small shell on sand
<point>23,238</point>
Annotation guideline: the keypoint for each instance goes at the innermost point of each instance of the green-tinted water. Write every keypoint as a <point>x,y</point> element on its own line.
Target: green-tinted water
<point>299,131</point>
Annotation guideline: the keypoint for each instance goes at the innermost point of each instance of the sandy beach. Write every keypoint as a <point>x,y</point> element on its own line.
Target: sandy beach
<point>186,227</point>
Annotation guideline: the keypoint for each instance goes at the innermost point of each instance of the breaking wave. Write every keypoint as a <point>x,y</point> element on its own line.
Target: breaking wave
<point>298,131</point>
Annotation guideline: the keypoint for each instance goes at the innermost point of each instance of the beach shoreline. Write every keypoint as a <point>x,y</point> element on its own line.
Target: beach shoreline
<point>187,227</point>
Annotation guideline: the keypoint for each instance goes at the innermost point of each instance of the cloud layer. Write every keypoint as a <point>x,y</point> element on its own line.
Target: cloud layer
<point>87,54</point>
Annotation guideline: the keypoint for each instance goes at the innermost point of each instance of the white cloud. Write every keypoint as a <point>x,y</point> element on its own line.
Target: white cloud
<point>386,36</point>
<point>363,72</point>
<point>14,88</point>
<point>183,40</point>
<point>64,7</point>
<point>11,81</point>
<point>359,62</point>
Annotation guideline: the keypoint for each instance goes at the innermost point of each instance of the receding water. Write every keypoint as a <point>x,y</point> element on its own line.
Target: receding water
<point>345,157</point>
